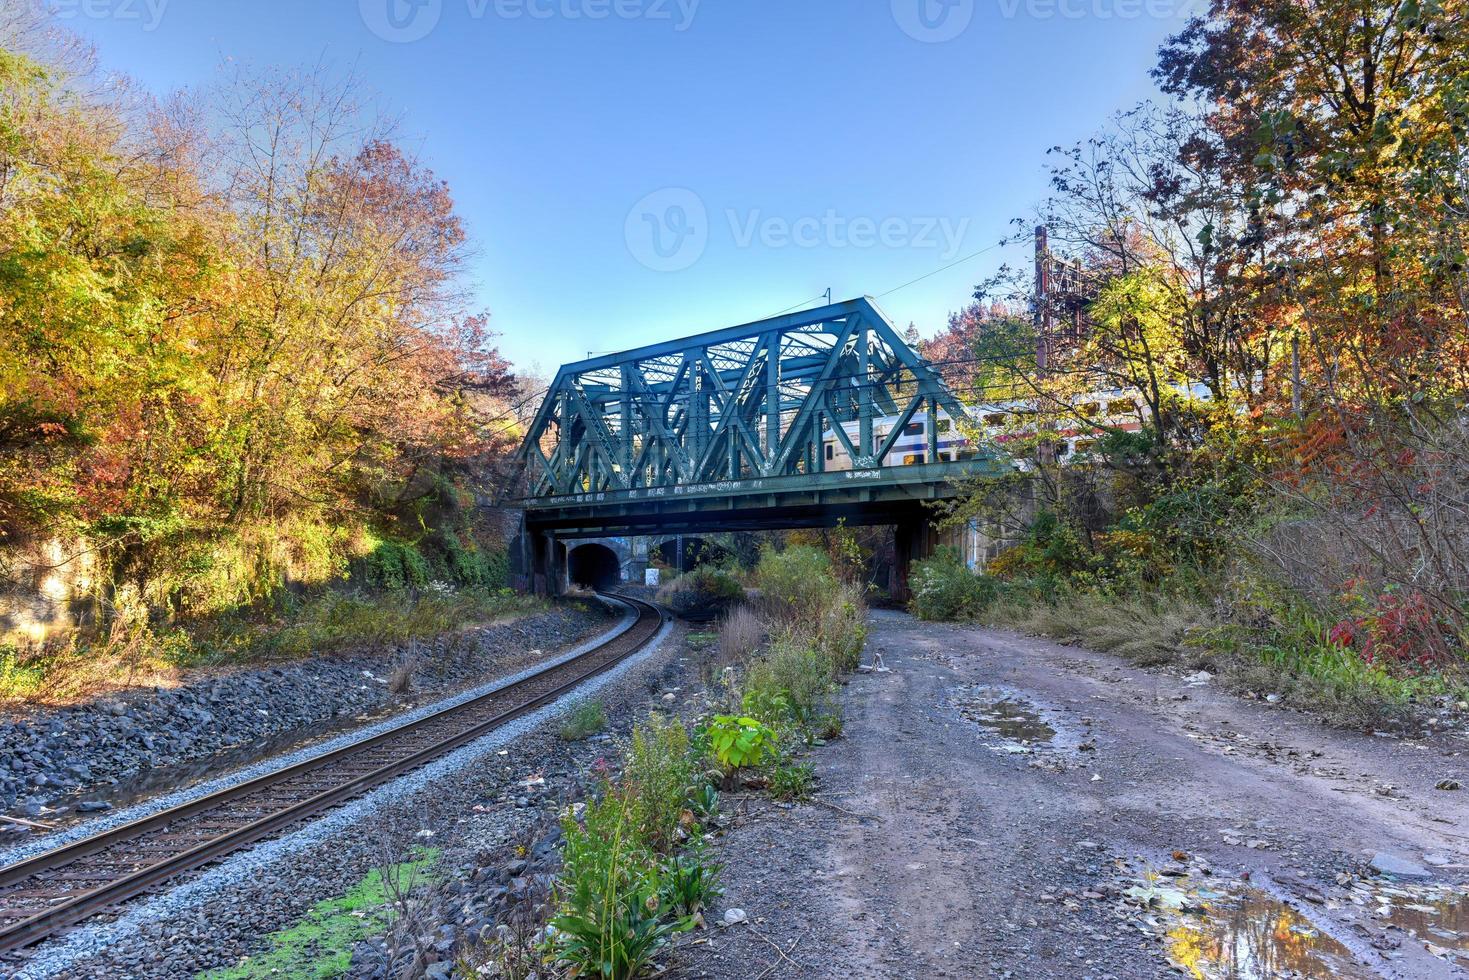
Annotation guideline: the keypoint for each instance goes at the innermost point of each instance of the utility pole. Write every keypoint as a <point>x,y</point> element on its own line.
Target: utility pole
<point>1295,373</point>
<point>1042,305</point>
<point>1045,452</point>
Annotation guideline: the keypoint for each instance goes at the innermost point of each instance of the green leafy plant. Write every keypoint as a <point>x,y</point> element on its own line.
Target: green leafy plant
<point>796,583</point>
<point>841,629</point>
<point>739,742</point>
<point>704,801</point>
<point>793,685</point>
<point>945,589</point>
<point>791,780</point>
<point>397,565</point>
<point>613,936</point>
<point>609,920</point>
<point>585,720</point>
<point>690,881</point>
<point>659,773</point>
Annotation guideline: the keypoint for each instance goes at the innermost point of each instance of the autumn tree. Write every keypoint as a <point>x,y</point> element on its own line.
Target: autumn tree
<point>1343,126</point>
<point>236,343</point>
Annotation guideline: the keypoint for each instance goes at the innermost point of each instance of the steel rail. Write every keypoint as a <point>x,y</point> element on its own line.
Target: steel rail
<point>86,903</point>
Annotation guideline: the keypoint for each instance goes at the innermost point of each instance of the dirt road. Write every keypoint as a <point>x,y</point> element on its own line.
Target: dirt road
<point>1006,806</point>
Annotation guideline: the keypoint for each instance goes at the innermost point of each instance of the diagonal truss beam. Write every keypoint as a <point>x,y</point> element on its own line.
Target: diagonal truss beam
<point>760,399</point>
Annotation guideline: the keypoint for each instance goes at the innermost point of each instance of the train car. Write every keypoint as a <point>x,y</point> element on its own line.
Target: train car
<point>1092,414</point>
<point>911,446</point>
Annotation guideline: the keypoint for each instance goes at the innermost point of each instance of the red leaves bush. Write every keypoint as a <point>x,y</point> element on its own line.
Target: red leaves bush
<point>1400,629</point>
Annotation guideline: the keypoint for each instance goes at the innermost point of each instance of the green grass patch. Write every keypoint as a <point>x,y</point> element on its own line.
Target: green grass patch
<point>20,680</point>
<point>336,621</point>
<point>319,947</point>
<point>584,721</point>
<point>1284,656</point>
<point>75,667</point>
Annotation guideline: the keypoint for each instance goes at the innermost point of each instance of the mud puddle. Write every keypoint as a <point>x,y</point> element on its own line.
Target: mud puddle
<point>1221,931</point>
<point>1435,915</point>
<point>1012,723</point>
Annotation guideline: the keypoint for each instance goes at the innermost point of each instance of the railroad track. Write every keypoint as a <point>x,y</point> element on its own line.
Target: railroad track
<point>46,893</point>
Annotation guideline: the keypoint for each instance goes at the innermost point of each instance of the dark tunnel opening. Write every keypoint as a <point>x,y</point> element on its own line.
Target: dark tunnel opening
<point>594,566</point>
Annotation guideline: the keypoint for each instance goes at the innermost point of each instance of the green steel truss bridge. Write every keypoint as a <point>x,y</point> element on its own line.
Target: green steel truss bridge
<point>726,431</point>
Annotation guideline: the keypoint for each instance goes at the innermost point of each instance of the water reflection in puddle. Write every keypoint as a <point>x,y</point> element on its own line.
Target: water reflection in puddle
<point>1012,718</point>
<point>1248,935</point>
<point>1437,916</point>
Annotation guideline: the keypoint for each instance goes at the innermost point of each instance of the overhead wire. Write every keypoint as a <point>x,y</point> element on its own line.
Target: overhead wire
<point>514,410</point>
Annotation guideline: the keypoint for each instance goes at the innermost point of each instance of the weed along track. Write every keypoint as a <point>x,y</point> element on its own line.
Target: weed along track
<point>46,893</point>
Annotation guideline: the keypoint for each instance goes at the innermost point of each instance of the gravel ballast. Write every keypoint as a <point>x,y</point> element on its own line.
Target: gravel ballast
<point>40,844</point>
<point>53,758</point>
<point>470,800</point>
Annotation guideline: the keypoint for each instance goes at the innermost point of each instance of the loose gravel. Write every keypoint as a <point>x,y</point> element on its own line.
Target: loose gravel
<point>950,838</point>
<point>53,758</point>
<point>117,818</point>
<point>472,799</point>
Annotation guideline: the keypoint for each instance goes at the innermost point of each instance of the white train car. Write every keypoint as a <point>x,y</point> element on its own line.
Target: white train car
<point>1091,415</point>
<point>911,446</point>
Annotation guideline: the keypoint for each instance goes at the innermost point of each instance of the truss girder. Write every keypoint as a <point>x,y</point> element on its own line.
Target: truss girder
<point>750,401</point>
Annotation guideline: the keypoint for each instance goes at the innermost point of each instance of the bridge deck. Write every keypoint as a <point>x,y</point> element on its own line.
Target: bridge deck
<point>880,495</point>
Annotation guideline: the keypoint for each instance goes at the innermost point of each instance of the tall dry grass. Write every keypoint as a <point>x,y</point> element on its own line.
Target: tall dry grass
<point>741,634</point>
<point>1149,631</point>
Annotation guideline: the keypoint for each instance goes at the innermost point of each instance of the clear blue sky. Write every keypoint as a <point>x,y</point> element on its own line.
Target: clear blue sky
<point>849,145</point>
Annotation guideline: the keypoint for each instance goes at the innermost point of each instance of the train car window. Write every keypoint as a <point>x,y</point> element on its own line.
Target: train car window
<point>1122,406</point>
<point>995,418</point>
<point>944,425</point>
<point>830,450</point>
<point>913,429</point>
<point>1090,408</point>
<point>912,459</point>
<point>945,457</point>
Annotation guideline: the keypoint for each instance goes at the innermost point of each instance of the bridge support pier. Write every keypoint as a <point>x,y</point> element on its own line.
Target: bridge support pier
<point>914,539</point>
<point>539,565</point>
<point>545,562</point>
<point>550,577</point>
